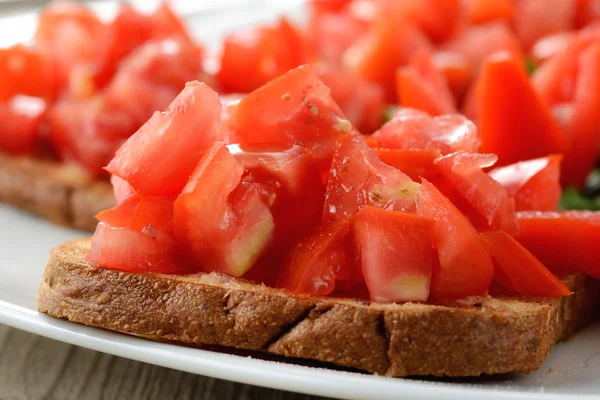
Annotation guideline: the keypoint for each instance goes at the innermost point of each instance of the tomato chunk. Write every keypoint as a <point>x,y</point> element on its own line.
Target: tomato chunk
<point>534,184</point>
<point>396,252</point>
<point>482,11</point>
<point>527,275</point>
<point>295,108</point>
<point>19,130</point>
<point>121,189</point>
<point>318,261</point>
<point>465,266</point>
<point>24,71</point>
<point>189,125</point>
<point>565,242</point>
<point>486,196</point>
<point>132,251</point>
<point>457,70</point>
<point>137,212</point>
<point>531,132</point>
<point>416,163</point>
<point>224,229</point>
<point>422,86</point>
<point>534,19</point>
<point>413,129</point>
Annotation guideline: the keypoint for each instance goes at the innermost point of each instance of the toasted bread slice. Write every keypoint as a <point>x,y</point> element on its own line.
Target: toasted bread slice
<point>57,192</point>
<point>465,338</point>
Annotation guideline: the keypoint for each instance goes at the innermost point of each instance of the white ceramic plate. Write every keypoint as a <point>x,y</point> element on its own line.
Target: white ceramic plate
<point>573,371</point>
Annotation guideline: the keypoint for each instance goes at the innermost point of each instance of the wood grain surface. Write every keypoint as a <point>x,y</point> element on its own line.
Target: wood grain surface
<point>33,367</point>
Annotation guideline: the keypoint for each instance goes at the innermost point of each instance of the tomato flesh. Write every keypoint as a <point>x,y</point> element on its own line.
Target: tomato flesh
<point>416,163</point>
<point>465,266</point>
<point>534,184</point>
<point>24,71</point>
<point>396,252</point>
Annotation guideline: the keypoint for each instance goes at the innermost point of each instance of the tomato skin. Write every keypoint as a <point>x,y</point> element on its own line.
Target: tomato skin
<point>416,163</point>
<point>413,129</point>
<point>464,171</point>
<point>24,71</point>
<point>564,242</point>
<point>385,237</point>
<point>384,48</point>
<point>141,161</point>
<point>318,261</point>
<point>21,118</point>
<point>527,275</point>
<point>504,89</point>
<point>465,266</point>
<point>534,184</point>
<point>132,251</point>
<point>422,86</point>
<point>295,108</point>
<point>357,177</point>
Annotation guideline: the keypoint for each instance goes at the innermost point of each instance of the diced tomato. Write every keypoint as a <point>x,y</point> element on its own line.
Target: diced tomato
<point>416,163</point>
<point>67,35</point>
<point>480,41</point>
<point>224,229</point>
<point>526,274</point>
<point>457,70</point>
<point>378,54</point>
<point>254,57</point>
<point>413,129</point>
<point>565,242</point>
<point>295,108</point>
<point>120,215</point>
<point>24,71</point>
<point>186,129</point>
<point>465,266</point>
<point>534,184</point>
<point>396,253</point>
<point>132,251</point>
<point>20,121</point>
<point>166,24</point>
<point>357,178</point>
<point>319,6</point>
<point>530,132</point>
<point>318,261</point>
<point>137,212</point>
<point>482,11</point>
<point>587,12</point>
<point>422,86</point>
<point>121,189</point>
<point>489,200</point>
<point>584,125</point>
<point>362,101</point>
<point>534,19</point>
<point>548,46</point>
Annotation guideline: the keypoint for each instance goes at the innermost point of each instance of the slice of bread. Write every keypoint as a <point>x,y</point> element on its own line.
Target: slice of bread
<point>60,193</point>
<point>466,338</point>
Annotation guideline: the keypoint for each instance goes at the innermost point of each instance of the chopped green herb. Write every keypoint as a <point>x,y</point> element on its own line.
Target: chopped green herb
<point>389,112</point>
<point>530,66</point>
<point>571,199</point>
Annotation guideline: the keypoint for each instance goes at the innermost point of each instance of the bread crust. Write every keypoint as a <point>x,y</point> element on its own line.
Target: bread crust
<point>60,193</point>
<point>467,338</point>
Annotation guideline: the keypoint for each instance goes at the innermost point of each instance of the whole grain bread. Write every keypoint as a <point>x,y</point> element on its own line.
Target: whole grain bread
<point>58,192</point>
<point>466,338</point>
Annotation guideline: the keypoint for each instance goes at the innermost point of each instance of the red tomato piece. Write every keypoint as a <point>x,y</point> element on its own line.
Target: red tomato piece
<point>534,19</point>
<point>384,238</point>
<point>457,70</point>
<point>413,129</point>
<point>416,163</point>
<point>318,261</point>
<point>362,101</point>
<point>548,46</point>
<point>132,251</point>
<point>121,189</point>
<point>489,200</point>
<point>534,184</point>
<point>422,86</point>
<point>480,41</point>
<point>19,130</point>
<point>187,128</point>
<point>120,215</point>
<point>565,242</point>
<point>530,132</point>
<point>166,24</point>
<point>527,275</point>
<point>24,71</point>
<point>482,11</point>
<point>357,178</point>
<point>252,58</point>
<point>224,229</point>
<point>295,108</point>
<point>465,266</point>
<point>378,54</point>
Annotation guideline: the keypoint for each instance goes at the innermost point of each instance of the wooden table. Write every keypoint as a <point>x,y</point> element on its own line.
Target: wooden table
<point>33,367</point>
